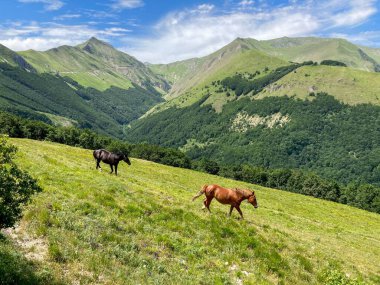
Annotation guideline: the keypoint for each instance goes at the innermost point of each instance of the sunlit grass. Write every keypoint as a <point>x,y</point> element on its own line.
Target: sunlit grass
<point>141,227</point>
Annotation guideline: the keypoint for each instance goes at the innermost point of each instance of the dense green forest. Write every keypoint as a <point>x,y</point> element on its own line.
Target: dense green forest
<point>322,135</point>
<point>35,96</point>
<point>363,196</point>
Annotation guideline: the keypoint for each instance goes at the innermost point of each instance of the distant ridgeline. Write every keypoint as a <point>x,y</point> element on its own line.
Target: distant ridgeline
<point>363,196</point>
<point>62,101</point>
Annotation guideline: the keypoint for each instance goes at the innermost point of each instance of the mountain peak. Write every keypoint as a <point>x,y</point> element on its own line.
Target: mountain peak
<point>94,40</point>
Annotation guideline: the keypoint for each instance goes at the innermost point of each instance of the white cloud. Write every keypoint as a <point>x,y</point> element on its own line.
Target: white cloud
<point>369,38</point>
<point>126,4</point>
<point>193,33</point>
<point>355,12</point>
<point>49,5</point>
<point>67,16</point>
<point>204,8</point>
<point>246,3</point>
<point>45,36</point>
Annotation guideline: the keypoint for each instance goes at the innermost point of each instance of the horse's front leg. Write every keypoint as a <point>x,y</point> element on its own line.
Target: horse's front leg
<point>111,168</point>
<point>240,212</point>
<point>98,164</point>
<point>116,169</point>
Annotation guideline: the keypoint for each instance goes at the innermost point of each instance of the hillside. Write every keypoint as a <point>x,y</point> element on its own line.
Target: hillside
<point>192,79</point>
<point>141,227</point>
<point>345,84</point>
<point>48,97</point>
<point>318,133</point>
<point>12,58</point>
<point>96,64</point>
<point>318,49</point>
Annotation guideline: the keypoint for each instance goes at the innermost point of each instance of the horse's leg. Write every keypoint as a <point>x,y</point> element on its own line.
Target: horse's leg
<point>208,202</point>
<point>238,209</point>
<point>116,169</point>
<point>111,168</point>
<point>204,203</point>
<point>232,207</point>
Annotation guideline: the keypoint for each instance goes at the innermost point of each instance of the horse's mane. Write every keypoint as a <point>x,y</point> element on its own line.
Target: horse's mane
<point>243,192</point>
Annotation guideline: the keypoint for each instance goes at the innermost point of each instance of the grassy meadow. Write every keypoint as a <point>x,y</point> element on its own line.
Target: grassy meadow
<point>90,227</point>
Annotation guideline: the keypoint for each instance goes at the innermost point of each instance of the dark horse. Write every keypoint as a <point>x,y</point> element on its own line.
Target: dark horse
<point>227,196</point>
<point>110,158</point>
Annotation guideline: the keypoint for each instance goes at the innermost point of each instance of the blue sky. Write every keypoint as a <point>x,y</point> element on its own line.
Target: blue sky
<point>165,31</point>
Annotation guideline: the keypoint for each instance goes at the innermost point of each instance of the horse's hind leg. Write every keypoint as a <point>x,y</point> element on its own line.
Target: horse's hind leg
<point>231,209</point>
<point>207,203</point>
<point>111,169</point>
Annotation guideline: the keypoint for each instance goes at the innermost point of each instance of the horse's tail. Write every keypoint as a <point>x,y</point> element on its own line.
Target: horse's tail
<point>200,193</point>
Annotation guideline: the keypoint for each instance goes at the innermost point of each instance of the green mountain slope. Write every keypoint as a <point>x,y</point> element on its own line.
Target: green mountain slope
<point>319,134</point>
<point>345,84</point>
<point>60,100</point>
<point>12,58</point>
<point>194,78</point>
<point>238,56</point>
<point>142,227</point>
<point>318,49</point>
<point>94,64</point>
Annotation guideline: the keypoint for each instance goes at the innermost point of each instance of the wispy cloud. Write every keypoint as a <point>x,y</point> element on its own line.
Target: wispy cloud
<point>126,4</point>
<point>49,5</point>
<point>66,16</point>
<point>45,36</point>
<point>369,38</point>
<point>201,30</point>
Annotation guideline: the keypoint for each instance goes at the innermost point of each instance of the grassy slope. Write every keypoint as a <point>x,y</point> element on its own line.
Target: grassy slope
<point>94,64</point>
<point>219,65</point>
<point>372,52</point>
<point>347,85</point>
<point>190,77</point>
<point>12,58</point>
<point>141,227</point>
<point>317,49</point>
<point>73,62</point>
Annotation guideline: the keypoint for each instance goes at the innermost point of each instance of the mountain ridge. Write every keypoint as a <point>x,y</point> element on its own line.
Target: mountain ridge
<point>96,64</point>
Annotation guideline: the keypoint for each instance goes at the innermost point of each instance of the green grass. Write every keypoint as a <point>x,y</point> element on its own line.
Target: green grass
<point>345,84</point>
<point>141,227</point>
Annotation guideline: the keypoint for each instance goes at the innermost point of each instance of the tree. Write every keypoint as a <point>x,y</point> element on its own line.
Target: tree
<point>210,166</point>
<point>16,186</point>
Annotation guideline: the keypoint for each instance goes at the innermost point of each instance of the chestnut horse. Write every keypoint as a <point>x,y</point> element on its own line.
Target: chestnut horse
<point>227,196</point>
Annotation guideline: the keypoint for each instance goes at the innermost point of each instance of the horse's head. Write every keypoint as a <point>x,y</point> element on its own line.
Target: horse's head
<point>252,200</point>
<point>126,160</point>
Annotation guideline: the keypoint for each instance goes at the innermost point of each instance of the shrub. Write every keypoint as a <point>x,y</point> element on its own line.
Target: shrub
<point>16,186</point>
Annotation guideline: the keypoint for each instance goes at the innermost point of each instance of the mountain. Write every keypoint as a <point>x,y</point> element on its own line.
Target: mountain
<point>142,226</point>
<point>51,98</point>
<point>96,64</point>
<point>244,105</point>
<point>191,78</point>
<point>12,58</point>
<point>91,85</point>
<point>318,49</point>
